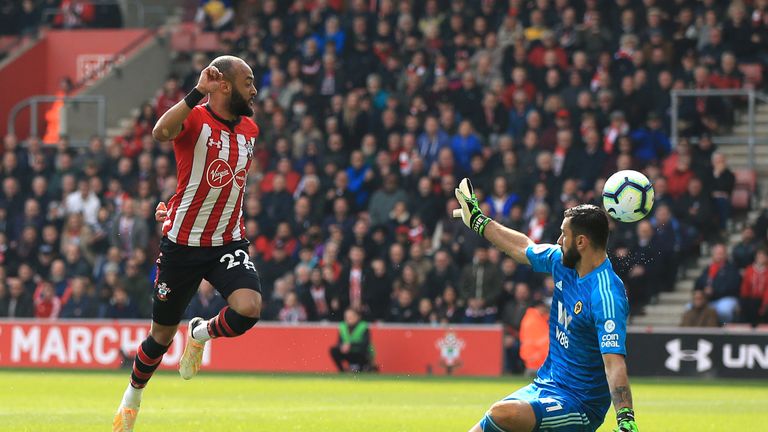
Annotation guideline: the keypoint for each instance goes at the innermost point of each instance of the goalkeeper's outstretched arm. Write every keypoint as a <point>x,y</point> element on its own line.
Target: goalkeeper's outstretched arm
<point>509,241</point>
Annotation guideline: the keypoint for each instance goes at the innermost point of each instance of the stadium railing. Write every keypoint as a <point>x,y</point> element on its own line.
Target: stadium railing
<point>752,97</point>
<point>35,103</point>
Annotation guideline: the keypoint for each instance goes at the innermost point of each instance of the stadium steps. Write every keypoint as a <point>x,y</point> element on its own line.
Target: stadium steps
<point>123,125</point>
<point>671,305</point>
<point>738,154</point>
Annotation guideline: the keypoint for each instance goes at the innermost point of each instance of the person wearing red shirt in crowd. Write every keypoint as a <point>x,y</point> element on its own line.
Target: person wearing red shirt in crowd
<point>753,295</point>
<point>47,305</point>
<point>677,181</point>
<point>168,96</point>
<point>519,82</point>
<point>727,76</point>
<point>292,178</point>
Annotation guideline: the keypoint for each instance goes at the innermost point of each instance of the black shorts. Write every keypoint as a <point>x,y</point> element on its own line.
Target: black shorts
<point>180,269</point>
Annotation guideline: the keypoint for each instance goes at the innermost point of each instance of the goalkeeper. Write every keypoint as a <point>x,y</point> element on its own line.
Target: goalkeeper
<point>585,370</point>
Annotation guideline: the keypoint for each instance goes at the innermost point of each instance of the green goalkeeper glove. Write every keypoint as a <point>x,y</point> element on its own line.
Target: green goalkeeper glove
<point>470,212</point>
<point>625,417</point>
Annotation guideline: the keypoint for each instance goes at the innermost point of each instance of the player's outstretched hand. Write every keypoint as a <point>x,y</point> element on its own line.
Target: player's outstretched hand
<point>470,212</point>
<point>161,213</point>
<point>625,417</point>
<point>210,79</point>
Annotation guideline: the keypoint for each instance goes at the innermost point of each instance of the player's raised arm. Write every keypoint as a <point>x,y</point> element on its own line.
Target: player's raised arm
<point>169,124</point>
<point>511,242</point>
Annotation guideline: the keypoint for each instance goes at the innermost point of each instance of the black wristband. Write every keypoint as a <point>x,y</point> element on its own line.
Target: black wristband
<point>193,98</point>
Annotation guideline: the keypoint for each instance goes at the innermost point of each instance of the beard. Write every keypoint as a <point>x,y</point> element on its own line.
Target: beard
<point>571,257</point>
<point>239,106</point>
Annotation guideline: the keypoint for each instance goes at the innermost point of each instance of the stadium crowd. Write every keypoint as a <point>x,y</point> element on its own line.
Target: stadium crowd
<point>369,117</point>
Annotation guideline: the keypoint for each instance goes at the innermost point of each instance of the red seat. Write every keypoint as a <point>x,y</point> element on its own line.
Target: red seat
<point>207,42</point>
<point>181,41</point>
<point>753,74</point>
<point>746,177</point>
<point>740,199</point>
<point>738,327</point>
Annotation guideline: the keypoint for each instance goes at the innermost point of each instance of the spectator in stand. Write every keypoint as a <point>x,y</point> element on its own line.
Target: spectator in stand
<point>743,253</point>
<point>465,144</point>
<point>432,140</point>
<point>651,142</point>
<point>753,298</point>
<point>677,181</point>
<point>700,314</point>
<point>513,305</point>
<point>377,292</point>
<point>137,287</point>
<point>292,311</point>
<point>449,310</point>
<point>694,210</point>
<point>404,309</point>
<point>81,303</point>
<point>723,181</point>
<point>480,285</point>
<point>215,15</point>
<point>206,303</point>
<point>119,306</point>
<point>84,201</point>
<point>670,237</point>
<point>720,282</point>
<point>440,276</point>
<point>168,96</point>
<point>427,314</point>
<point>47,305</point>
<point>18,304</point>
<point>129,232</point>
<point>74,14</point>
<point>644,261</point>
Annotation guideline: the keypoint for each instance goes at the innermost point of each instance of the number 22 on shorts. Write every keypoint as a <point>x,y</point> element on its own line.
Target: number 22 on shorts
<point>233,262</point>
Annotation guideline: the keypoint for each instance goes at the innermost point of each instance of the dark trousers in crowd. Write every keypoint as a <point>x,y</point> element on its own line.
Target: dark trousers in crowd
<point>750,311</point>
<point>356,361</point>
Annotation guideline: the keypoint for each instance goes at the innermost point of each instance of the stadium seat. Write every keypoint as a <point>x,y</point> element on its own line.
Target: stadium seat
<point>207,42</point>
<point>745,177</point>
<point>753,74</point>
<point>740,327</point>
<point>182,41</point>
<point>740,199</point>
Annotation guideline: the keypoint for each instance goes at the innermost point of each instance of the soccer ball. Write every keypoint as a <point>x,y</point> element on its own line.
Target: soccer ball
<point>628,196</point>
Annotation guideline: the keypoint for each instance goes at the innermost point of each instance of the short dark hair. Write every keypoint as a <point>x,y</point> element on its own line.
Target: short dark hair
<point>226,65</point>
<point>591,221</point>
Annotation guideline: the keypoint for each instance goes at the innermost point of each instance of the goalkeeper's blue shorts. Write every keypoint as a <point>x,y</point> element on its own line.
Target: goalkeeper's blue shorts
<point>555,411</point>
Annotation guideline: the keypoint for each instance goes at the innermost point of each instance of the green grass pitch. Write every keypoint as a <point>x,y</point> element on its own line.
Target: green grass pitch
<point>39,401</point>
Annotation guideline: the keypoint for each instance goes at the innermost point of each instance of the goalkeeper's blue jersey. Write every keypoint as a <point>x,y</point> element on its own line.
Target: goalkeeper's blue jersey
<point>588,318</point>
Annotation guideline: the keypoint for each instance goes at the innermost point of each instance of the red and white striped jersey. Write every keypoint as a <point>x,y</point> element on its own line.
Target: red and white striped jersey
<point>212,158</point>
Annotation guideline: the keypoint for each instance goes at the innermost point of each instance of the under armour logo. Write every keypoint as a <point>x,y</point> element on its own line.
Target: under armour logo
<point>700,355</point>
<point>249,147</point>
<point>213,143</point>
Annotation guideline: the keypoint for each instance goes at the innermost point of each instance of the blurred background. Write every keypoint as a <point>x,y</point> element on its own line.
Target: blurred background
<point>370,113</point>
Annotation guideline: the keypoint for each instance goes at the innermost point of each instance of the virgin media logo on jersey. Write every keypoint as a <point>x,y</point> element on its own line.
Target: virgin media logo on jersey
<point>220,174</point>
<point>240,179</point>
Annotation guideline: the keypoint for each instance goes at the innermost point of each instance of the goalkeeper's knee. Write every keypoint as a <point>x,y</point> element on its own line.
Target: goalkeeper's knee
<point>488,425</point>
